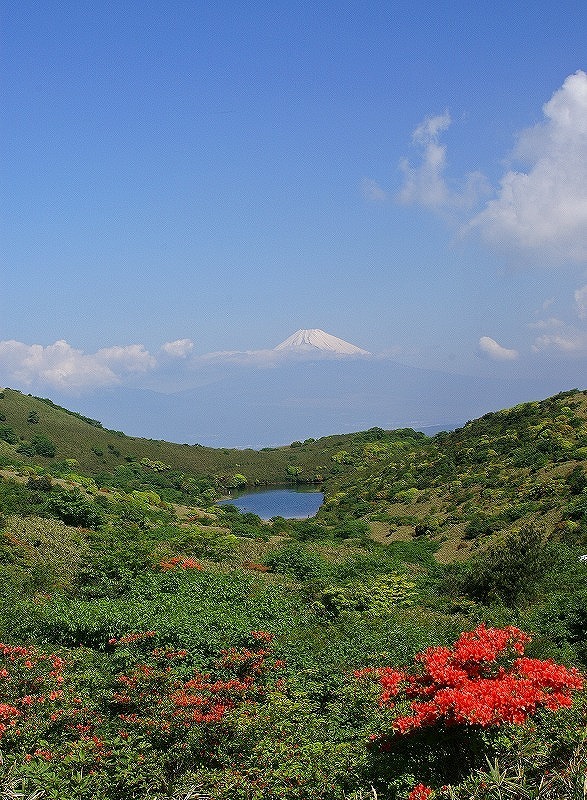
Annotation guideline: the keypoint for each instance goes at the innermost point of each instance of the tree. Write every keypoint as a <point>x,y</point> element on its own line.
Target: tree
<point>39,445</point>
<point>8,435</point>
<point>509,569</point>
<point>43,446</point>
<point>293,472</point>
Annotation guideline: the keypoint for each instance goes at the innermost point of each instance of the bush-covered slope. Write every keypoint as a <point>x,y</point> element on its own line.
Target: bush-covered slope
<point>521,465</point>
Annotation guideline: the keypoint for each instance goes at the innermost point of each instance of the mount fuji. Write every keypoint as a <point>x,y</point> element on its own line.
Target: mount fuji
<point>312,384</point>
<point>311,340</point>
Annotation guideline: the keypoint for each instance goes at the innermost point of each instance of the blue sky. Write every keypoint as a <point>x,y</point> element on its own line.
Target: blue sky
<point>184,178</point>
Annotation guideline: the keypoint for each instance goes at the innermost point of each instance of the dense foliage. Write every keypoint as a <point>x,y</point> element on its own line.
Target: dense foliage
<point>423,637</point>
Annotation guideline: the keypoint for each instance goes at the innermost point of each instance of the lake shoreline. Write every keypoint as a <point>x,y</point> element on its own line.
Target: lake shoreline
<point>284,500</point>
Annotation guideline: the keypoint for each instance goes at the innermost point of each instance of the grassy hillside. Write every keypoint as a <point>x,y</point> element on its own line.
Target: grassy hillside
<point>98,451</point>
<point>457,489</point>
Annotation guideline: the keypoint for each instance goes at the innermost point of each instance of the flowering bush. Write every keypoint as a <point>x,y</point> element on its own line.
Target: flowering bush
<point>154,699</point>
<point>161,714</point>
<point>28,680</point>
<point>179,563</point>
<point>483,681</point>
<point>39,708</point>
<point>420,792</point>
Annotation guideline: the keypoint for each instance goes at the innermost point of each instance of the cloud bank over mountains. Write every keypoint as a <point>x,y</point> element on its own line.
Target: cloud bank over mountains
<point>68,369</point>
<point>175,365</point>
<point>312,384</point>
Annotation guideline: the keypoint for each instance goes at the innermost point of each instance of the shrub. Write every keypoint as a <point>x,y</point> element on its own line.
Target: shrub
<point>18,499</point>
<point>206,542</point>
<point>26,449</point>
<point>38,445</point>
<point>511,569</point>
<point>352,529</point>
<point>8,435</point>
<point>46,552</point>
<point>295,560</point>
<point>74,509</point>
<point>377,597</point>
<point>308,530</point>
<point>39,483</point>
<point>43,446</point>
<point>483,680</point>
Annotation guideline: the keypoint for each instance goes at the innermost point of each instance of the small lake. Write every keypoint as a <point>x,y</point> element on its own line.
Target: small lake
<point>267,503</point>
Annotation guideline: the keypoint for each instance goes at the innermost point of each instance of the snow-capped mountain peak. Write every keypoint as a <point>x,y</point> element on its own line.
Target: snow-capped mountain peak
<point>313,339</point>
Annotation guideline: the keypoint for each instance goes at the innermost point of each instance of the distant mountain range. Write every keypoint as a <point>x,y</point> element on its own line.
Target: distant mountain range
<point>297,398</point>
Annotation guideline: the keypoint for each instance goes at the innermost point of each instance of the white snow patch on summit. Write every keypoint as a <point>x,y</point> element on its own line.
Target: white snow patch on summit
<point>313,339</point>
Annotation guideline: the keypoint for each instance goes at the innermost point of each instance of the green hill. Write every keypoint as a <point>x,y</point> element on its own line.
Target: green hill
<point>520,465</point>
<point>25,419</point>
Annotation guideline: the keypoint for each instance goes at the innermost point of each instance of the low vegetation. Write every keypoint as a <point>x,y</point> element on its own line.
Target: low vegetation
<point>423,637</point>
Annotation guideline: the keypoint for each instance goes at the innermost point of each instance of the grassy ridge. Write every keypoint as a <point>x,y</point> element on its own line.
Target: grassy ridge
<point>98,450</point>
<point>517,466</point>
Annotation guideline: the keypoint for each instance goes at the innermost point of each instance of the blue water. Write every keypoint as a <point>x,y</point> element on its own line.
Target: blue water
<point>267,503</point>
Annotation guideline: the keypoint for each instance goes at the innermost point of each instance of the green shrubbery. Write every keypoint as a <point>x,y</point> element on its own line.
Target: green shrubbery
<point>74,509</point>
<point>377,597</point>
<point>298,562</point>
<point>510,570</point>
<point>134,602</point>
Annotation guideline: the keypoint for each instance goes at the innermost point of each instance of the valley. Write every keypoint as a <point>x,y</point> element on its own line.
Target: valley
<point>159,645</point>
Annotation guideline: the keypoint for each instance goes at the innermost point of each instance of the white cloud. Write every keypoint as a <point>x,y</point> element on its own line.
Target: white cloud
<point>132,358</point>
<point>563,337</point>
<point>180,348</point>
<point>569,342</point>
<point>272,358</point>
<point>543,211</point>
<point>428,130</point>
<point>581,301</point>
<point>489,347</point>
<point>546,324</point>
<point>425,184</point>
<point>371,191</point>
<point>246,358</point>
<point>265,358</point>
<point>63,367</point>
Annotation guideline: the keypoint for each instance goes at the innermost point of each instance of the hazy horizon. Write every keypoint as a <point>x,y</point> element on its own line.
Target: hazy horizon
<point>184,187</point>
